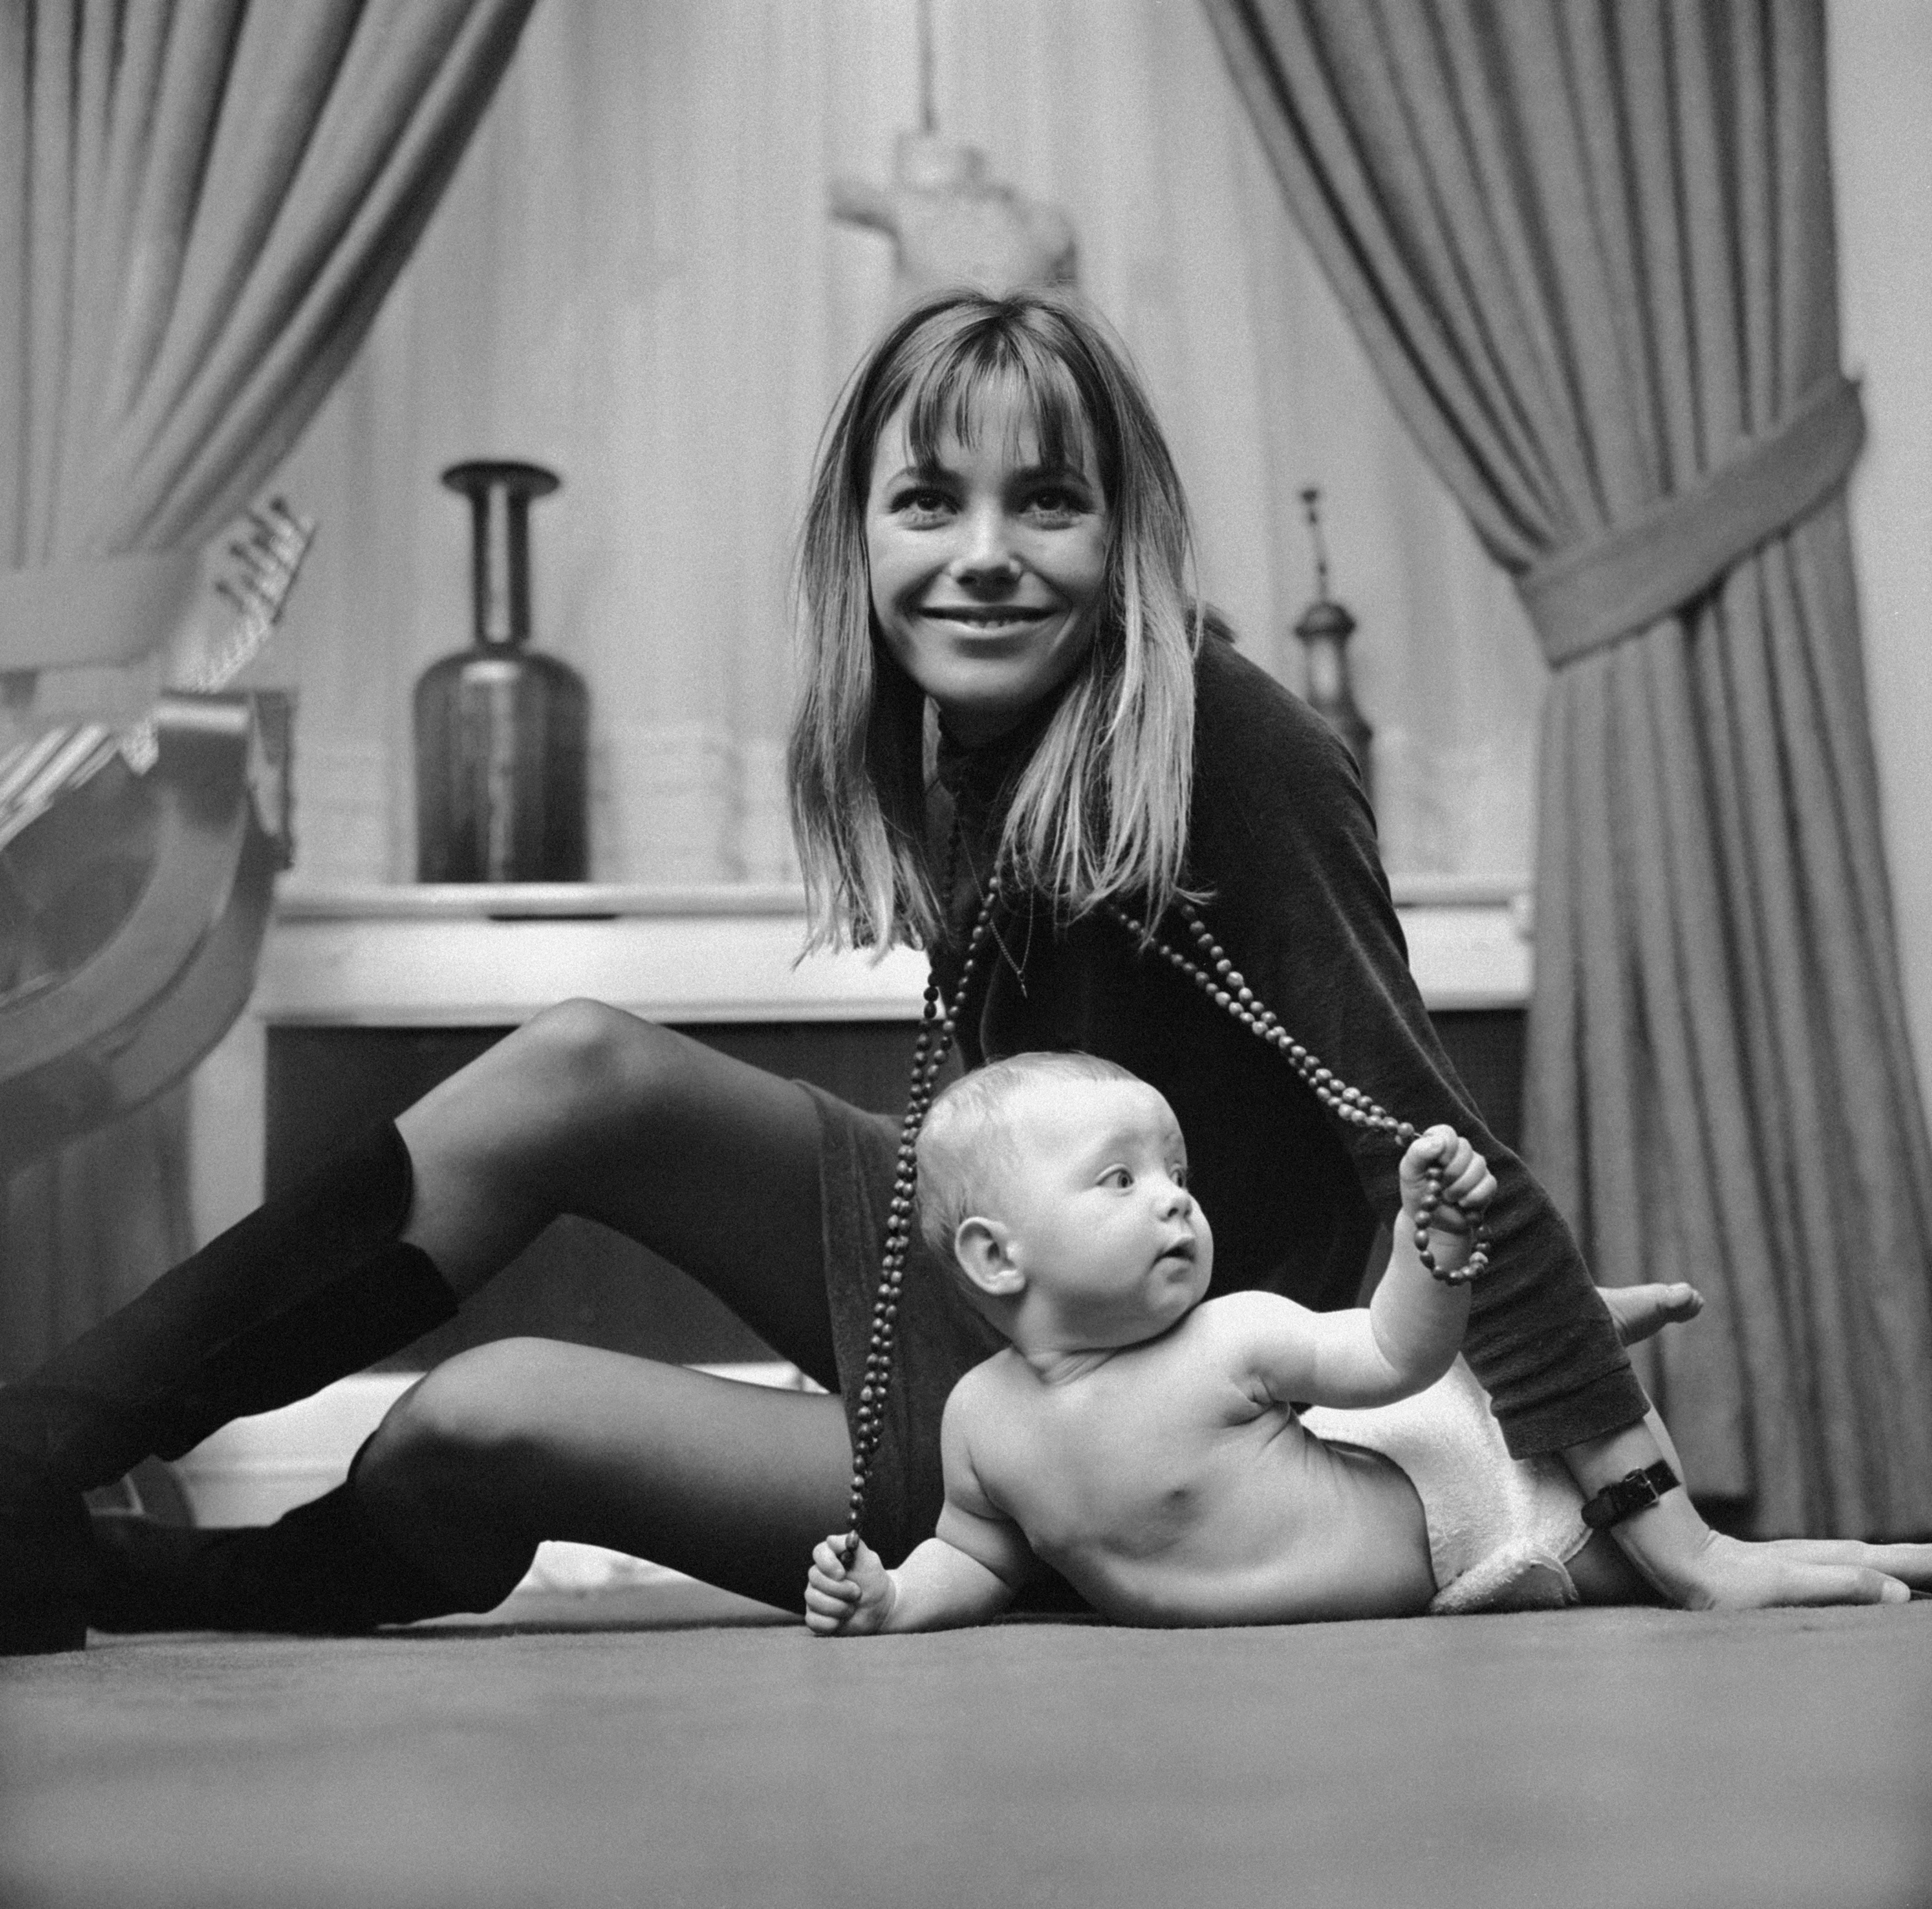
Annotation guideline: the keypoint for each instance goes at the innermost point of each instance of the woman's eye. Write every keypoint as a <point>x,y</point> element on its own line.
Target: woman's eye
<point>1057,504</point>
<point>921,503</point>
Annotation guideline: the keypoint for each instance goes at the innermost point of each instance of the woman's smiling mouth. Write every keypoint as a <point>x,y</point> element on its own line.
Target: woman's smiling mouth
<point>986,616</point>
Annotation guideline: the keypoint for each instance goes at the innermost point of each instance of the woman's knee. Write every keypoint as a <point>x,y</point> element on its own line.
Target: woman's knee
<point>598,1060</point>
<point>450,1441</point>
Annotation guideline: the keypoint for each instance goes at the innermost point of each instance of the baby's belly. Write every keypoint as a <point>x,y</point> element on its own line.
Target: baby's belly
<point>1330,1532</point>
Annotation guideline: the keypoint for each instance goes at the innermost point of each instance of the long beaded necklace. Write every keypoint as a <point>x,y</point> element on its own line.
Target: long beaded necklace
<point>1218,978</point>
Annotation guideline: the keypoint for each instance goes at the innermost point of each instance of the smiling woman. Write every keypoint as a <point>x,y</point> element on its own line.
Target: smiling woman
<point>987,560</point>
<point>994,457</point>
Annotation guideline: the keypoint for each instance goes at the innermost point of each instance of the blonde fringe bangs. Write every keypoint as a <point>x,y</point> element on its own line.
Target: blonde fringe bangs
<point>1100,811</point>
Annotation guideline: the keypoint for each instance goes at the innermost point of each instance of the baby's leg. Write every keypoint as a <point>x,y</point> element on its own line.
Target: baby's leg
<point>529,1438</point>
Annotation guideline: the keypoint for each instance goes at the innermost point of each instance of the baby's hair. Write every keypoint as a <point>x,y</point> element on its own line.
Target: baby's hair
<point>968,1141</point>
<point>1100,809</point>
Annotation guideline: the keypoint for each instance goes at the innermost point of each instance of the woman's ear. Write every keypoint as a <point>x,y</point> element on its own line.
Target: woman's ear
<point>984,1248</point>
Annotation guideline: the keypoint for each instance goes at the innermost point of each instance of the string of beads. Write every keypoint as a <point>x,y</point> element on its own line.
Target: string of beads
<point>938,1026</point>
<point>1223,982</point>
<point>1217,978</point>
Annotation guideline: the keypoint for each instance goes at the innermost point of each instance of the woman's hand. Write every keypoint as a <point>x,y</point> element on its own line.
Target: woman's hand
<point>1691,1564</point>
<point>843,1601</point>
<point>1729,1573</point>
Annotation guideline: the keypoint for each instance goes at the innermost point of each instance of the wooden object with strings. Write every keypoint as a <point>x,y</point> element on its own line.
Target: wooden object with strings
<point>136,878</point>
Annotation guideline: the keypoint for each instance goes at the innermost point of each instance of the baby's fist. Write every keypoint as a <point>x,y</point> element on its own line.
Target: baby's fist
<point>1446,1184</point>
<point>843,1600</point>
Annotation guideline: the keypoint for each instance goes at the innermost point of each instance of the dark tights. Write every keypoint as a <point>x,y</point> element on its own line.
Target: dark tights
<point>709,1162</point>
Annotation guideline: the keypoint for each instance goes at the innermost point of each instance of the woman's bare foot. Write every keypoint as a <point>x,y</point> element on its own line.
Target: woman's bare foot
<point>1640,1310</point>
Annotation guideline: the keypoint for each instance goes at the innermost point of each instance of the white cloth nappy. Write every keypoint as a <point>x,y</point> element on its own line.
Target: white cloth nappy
<point>1501,1530</point>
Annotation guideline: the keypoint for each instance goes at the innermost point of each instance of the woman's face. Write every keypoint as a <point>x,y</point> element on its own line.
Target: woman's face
<point>987,567</point>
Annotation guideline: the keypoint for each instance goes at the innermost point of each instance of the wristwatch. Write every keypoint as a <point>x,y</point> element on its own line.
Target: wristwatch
<point>1635,1491</point>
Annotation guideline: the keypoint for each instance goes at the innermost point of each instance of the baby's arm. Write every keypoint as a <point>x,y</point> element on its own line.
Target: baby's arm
<point>965,1573</point>
<point>1412,1327</point>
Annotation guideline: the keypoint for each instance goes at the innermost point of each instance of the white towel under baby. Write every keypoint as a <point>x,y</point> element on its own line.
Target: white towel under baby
<point>1501,1530</point>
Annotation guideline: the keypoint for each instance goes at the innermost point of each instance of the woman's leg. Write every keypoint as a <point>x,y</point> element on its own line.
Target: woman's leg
<point>585,1109</point>
<point>709,1162</point>
<point>527,1439</point>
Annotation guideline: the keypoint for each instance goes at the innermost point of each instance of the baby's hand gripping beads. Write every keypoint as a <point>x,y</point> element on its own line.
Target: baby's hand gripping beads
<point>1446,1187</point>
<point>847,1600</point>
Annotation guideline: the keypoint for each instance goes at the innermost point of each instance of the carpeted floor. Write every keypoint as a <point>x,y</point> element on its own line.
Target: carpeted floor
<point>668,1747</point>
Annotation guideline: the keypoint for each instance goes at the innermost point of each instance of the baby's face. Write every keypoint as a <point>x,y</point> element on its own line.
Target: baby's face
<point>1099,1221</point>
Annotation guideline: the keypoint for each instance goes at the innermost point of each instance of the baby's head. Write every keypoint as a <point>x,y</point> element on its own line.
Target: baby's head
<point>1055,1185</point>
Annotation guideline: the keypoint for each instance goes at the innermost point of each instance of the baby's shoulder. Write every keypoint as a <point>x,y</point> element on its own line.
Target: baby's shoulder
<point>986,1387</point>
<point>1244,1336</point>
<point>1239,1316</point>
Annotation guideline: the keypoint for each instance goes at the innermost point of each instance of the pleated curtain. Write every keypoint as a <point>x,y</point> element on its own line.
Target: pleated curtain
<point>1588,245</point>
<point>203,203</point>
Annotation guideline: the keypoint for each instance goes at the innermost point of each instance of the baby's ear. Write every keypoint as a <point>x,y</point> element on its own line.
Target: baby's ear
<point>983,1248</point>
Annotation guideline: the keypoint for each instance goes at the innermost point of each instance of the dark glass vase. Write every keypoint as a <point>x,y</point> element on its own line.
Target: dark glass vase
<point>500,729</point>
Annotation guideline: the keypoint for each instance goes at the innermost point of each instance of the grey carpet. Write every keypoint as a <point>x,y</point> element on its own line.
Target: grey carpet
<point>678,1749</point>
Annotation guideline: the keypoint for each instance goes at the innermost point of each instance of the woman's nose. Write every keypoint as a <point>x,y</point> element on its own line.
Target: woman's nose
<point>986,554</point>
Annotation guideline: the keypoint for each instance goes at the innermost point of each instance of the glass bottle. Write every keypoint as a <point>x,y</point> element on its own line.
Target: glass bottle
<point>501,728</point>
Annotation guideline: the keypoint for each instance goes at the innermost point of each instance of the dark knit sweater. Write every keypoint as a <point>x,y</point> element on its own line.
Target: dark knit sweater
<point>1282,840</point>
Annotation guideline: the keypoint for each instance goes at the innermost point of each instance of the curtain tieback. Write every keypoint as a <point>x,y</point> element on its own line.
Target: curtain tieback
<point>1598,592</point>
<point>102,611</point>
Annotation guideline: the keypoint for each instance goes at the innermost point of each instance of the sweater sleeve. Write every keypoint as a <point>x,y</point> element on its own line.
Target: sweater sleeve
<point>1283,837</point>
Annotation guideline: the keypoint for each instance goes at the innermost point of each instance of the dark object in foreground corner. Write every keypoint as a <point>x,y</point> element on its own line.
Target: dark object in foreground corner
<point>500,729</point>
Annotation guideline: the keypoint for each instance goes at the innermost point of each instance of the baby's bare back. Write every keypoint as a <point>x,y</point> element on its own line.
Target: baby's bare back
<point>1168,1490</point>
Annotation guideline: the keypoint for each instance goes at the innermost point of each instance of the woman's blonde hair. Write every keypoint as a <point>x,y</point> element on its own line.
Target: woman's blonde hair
<point>1100,808</point>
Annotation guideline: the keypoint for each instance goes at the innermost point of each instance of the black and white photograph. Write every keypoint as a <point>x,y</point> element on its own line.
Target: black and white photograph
<point>965,952</point>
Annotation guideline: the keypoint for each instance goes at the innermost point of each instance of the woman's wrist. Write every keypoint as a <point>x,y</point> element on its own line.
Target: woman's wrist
<point>1666,1539</point>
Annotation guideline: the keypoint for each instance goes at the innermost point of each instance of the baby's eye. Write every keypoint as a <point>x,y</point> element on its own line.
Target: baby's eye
<point>1118,1177</point>
<point>1178,1173</point>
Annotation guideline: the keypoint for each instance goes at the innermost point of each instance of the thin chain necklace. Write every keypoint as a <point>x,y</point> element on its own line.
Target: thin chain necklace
<point>1218,978</point>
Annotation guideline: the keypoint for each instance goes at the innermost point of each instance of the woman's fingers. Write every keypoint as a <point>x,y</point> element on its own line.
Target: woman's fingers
<point>1844,1584</point>
<point>1910,1563</point>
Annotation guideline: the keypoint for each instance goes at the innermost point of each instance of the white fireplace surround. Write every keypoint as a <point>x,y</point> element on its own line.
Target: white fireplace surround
<point>464,954</point>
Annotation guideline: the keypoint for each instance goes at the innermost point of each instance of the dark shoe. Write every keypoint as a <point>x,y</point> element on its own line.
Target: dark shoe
<point>309,1288</point>
<point>316,1572</point>
<point>46,1567</point>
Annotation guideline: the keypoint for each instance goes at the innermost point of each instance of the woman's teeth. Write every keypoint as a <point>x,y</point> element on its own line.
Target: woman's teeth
<point>988,618</point>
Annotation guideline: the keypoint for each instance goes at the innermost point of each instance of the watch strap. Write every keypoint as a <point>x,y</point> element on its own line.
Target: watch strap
<point>1635,1491</point>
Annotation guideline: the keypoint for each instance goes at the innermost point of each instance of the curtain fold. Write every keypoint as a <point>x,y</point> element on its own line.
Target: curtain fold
<point>1589,244</point>
<point>203,204</point>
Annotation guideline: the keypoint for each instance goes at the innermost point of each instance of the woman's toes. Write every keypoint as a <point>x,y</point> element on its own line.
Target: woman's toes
<point>1640,1310</point>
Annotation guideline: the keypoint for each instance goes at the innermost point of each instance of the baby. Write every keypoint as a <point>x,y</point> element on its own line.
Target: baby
<point>1150,1447</point>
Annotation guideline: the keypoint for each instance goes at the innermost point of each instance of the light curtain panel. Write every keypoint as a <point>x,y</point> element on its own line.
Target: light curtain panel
<point>634,278</point>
